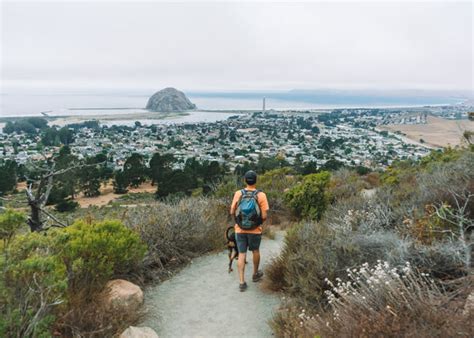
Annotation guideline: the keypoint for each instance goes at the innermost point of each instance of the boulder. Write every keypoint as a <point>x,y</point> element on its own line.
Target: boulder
<point>469,306</point>
<point>123,295</point>
<point>138,332</point>
<point>169,100</point>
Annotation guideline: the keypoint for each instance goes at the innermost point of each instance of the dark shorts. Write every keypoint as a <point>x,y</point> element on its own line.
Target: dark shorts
<point>248,241</point>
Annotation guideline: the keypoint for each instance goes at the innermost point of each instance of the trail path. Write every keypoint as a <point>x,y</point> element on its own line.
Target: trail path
<point>203,300</point>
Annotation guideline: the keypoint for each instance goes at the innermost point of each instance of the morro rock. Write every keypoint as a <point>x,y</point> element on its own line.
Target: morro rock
<point>169,100</point>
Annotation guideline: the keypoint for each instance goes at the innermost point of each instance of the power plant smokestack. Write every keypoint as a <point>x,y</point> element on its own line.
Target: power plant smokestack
<point>263,108</point>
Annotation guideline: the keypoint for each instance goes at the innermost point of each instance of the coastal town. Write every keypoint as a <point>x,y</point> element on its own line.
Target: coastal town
<point>349,136</point>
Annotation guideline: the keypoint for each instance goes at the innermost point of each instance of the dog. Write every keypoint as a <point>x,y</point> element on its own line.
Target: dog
<point>231,246</point>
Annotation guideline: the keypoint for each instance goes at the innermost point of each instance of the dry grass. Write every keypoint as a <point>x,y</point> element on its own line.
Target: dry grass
<point>380,302</point>
<point>438,132</point>
<point>275,275</point>
<point>107,195</point>
<point>94,318</point>
<point>176,232</point>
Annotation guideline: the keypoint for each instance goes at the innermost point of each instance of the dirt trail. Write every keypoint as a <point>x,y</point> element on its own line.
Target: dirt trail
<point>203,300</point>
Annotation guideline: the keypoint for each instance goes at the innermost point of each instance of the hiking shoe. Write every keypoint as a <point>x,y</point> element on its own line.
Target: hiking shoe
<point>242,287</point>
<point>257,276</point>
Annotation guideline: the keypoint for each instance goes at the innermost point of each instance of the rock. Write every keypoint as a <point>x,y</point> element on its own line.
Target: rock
<point>138,332</point>
<point>123,295</point>
<point>169,100</point>
<point>469,306</point>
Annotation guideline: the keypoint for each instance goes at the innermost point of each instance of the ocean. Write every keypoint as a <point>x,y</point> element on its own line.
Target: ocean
<point>68,103</point>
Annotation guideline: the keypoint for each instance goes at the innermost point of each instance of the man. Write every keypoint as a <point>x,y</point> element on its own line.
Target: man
<point>248,227</point>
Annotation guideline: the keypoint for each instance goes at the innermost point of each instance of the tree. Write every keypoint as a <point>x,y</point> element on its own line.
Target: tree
<point>28,125</point>
<point>38,192</point>
<point>37,122</point>
<point>332,165</point>
<point>160,167</point>
<point>50,137</point>
<point>66,136</point>
<point>8,177</point>
<point>135,169</point>
<point>309,168</point>
<point>9,128</point>
<point>121,182</point>
<point>177,182</point>
<point>90,178</point>
<point>65,184</point>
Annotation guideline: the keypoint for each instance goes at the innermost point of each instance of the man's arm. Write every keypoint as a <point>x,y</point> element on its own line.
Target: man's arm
<point>264,207</point>
<point>233,206</point>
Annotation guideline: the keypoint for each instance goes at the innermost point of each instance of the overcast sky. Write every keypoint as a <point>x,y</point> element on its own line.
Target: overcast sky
<point>238,46</point>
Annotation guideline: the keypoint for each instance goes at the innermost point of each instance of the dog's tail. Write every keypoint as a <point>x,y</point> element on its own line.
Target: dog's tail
<point>228,233</point>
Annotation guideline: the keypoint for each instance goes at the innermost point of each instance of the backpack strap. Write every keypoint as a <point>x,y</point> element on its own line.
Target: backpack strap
<point>242,193</point>
<point>252,193</point>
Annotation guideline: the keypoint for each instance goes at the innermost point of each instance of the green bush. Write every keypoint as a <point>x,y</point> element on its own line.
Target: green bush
<point>94,252</point>
<point>33,285</point>
<point>309,198</point>
<point>66,206</point>
<point>227,187</point>
<point>10,222</point>
<point>275,183</point>
<point>174,231</point>
<point>54,276</point>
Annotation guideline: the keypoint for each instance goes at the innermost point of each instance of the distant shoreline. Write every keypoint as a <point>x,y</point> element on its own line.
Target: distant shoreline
<point>142,113</point>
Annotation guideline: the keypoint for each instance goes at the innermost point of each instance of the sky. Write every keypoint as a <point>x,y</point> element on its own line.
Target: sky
<point>237,45</point>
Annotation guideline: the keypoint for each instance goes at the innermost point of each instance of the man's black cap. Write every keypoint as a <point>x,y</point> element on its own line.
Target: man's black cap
<point>250,177</point>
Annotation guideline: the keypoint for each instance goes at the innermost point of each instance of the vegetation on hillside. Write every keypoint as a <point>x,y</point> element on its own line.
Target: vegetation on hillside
<point>52,280</point>
<point>418,213</point>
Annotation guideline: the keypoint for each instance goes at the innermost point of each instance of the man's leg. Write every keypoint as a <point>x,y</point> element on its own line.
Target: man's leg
<point>256,260</point>
<point>241,266</point>
<point>242,245</point>
<point>254,246</point>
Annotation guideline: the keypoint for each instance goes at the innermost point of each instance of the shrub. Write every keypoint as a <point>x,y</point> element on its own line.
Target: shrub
<point>174,231</point>
<point>310,253</point>
<point>355,230</point>
<point>275,183</point>
<point>275,274</point>
<point>344,184</point>
<point>309,198</point>
<point>33,283</point>
<point>54,277</point>
<point>94,252</point>
<point>227,187</point>
<point>380,301</point>
<point>372,179</point>
<point>66,206</point>
<point>421,213</point>
<point>177,231</point>
<point>10,222</point>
